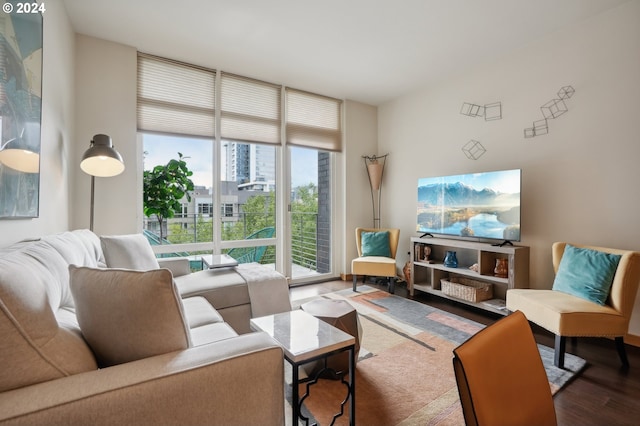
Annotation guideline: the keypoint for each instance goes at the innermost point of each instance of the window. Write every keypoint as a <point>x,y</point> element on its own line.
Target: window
<point>227,210</point>
<point>235,166</point>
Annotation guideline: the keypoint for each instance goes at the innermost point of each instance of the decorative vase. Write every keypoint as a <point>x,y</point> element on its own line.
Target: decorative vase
<point>450,260</point>
<point>502,268</point>
<point>407,272</point>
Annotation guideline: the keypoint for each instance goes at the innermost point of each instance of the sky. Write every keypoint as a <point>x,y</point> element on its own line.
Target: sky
<point>507,181</point>
<point>160,149</point>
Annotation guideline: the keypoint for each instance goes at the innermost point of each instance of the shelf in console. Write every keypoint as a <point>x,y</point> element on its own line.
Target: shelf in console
<point>493,305</point>
<point>463,271</point>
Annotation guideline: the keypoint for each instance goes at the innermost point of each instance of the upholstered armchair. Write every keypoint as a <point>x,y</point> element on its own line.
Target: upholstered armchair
<point>376,255</point>
<point>500,376</point>
<point>592,296</point>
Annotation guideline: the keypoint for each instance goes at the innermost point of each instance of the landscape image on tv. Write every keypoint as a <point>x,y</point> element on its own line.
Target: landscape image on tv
<point>477,205</point>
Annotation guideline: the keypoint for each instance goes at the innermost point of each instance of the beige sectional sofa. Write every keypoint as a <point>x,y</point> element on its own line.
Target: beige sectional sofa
<point>96,343</point>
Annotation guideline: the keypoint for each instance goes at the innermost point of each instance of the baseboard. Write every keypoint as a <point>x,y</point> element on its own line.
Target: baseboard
<point>346,277</point>
<point>632,340</point>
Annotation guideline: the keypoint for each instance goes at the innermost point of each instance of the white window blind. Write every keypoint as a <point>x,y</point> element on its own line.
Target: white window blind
<point>313,121</point>
<point>250,110</point>
<point>175,98</point>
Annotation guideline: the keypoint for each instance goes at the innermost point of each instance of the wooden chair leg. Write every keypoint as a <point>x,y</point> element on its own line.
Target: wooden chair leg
<point>558,356</point>
<point>355,280</point>
<point>622,352</point>
<point>392,284</point>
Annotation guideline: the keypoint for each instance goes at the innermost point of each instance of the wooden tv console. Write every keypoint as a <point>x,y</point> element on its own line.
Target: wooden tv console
<point>426,275</point>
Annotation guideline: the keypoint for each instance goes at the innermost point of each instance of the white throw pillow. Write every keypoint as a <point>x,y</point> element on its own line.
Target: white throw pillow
<point>128,252</point>
<point>128,315</point>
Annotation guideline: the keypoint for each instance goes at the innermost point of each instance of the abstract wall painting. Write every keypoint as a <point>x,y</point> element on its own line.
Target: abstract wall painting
<point>20,110</point>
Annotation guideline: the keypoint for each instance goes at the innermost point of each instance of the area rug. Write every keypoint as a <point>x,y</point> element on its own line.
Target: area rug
<point>404,374</point>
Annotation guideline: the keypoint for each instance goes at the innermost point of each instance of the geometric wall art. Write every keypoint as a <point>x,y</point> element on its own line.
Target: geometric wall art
<point>550,110</point>
<point>473,149</point>
<point>490,112</point>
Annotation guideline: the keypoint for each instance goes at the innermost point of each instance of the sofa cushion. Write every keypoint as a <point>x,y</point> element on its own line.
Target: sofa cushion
<point>34,347</point>
<point>128,315</point>
<point>199,312</point>
<point>128,252</point>
<point>212,333</point>
<point>223,288</point>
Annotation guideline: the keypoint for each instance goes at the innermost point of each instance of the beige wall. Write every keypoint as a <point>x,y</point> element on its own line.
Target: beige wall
<point>579,181</point>
<point>106,103</point>
<point>361,138</point>
<point>57,136</point>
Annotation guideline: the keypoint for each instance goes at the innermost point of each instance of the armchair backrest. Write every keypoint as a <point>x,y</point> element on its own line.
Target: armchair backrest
<point>625,282</point>
<point>394,236</point>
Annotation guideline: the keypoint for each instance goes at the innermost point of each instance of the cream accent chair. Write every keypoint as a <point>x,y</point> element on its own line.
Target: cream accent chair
<point>569,316</point>
<point>500,376</point>
<point>376,266</point>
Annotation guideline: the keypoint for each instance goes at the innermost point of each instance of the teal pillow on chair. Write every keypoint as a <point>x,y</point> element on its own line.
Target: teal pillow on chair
<point>586,273</point>
<point>375,244</point>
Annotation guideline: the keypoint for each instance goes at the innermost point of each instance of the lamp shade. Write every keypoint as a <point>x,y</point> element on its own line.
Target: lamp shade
<point>101,159</point>
<point>375,174</point>
<point>14,154</point>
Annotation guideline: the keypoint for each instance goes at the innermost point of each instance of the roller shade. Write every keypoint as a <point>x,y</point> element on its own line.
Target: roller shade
<point>313,121</point>
<point>175,98</point>
<point>250,110</point>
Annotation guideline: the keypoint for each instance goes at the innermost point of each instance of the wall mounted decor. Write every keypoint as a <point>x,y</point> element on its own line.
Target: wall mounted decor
<point>20,112</point>
<point>473,150</point>
<point>551,110</point>
<point>490,112</point>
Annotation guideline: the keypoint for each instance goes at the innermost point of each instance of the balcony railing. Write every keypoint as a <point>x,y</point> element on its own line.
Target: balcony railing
<point>190,228</point>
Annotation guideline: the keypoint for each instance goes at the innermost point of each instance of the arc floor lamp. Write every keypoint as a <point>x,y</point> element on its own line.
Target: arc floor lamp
<point>100,160</point>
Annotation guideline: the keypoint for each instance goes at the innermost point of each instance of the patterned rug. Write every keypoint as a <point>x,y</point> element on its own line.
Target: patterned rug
<point>404,374</point>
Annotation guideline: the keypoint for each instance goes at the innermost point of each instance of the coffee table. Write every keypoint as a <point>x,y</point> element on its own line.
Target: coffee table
<point>304,338</point>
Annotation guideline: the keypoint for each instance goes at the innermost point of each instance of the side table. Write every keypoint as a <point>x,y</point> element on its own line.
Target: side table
<point>304,338</point>
<point>340,314</point>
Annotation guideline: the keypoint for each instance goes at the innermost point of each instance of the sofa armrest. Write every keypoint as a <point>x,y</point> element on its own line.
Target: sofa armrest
<point>234,381</point>
<point>177,265</point>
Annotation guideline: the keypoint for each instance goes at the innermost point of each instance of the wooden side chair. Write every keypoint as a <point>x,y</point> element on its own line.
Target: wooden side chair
<point>376,255</point>
<point>581,303</point>
<point>500,376</point>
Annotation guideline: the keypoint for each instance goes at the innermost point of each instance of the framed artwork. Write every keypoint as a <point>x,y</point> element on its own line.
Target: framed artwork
<point>20,110</point>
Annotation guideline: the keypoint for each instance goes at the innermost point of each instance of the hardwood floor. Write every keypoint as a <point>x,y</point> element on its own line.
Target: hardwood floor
<point>603,394</point>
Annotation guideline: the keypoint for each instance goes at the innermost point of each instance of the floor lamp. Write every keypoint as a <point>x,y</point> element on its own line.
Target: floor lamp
<point>375,169</point>
<point>101,160</point>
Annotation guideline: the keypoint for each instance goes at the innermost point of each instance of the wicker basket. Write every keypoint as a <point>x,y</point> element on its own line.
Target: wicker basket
<point>467,289</point>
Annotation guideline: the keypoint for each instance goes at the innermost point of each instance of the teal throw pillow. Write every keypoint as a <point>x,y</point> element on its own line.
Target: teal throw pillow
<point>586,273</point>
<point>375,244</point>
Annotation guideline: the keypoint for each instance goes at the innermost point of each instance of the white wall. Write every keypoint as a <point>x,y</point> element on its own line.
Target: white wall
<point>579,181</point>
<point>56,133</point>
<point>361,138</point>
<point>106,103</point>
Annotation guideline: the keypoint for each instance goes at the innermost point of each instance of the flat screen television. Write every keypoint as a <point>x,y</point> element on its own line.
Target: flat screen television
<point>474,206</point>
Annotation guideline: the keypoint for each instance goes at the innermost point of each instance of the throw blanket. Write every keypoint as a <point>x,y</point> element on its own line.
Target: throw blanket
<point>268,289</point>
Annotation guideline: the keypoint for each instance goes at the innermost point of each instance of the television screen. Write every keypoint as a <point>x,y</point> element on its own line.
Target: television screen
<point>476,205</point>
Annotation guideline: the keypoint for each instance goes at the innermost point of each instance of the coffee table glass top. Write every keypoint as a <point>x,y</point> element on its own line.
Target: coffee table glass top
<point>301,335</point>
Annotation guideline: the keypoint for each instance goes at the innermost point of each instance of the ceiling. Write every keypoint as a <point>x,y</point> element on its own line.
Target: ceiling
<point>369,51</point>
